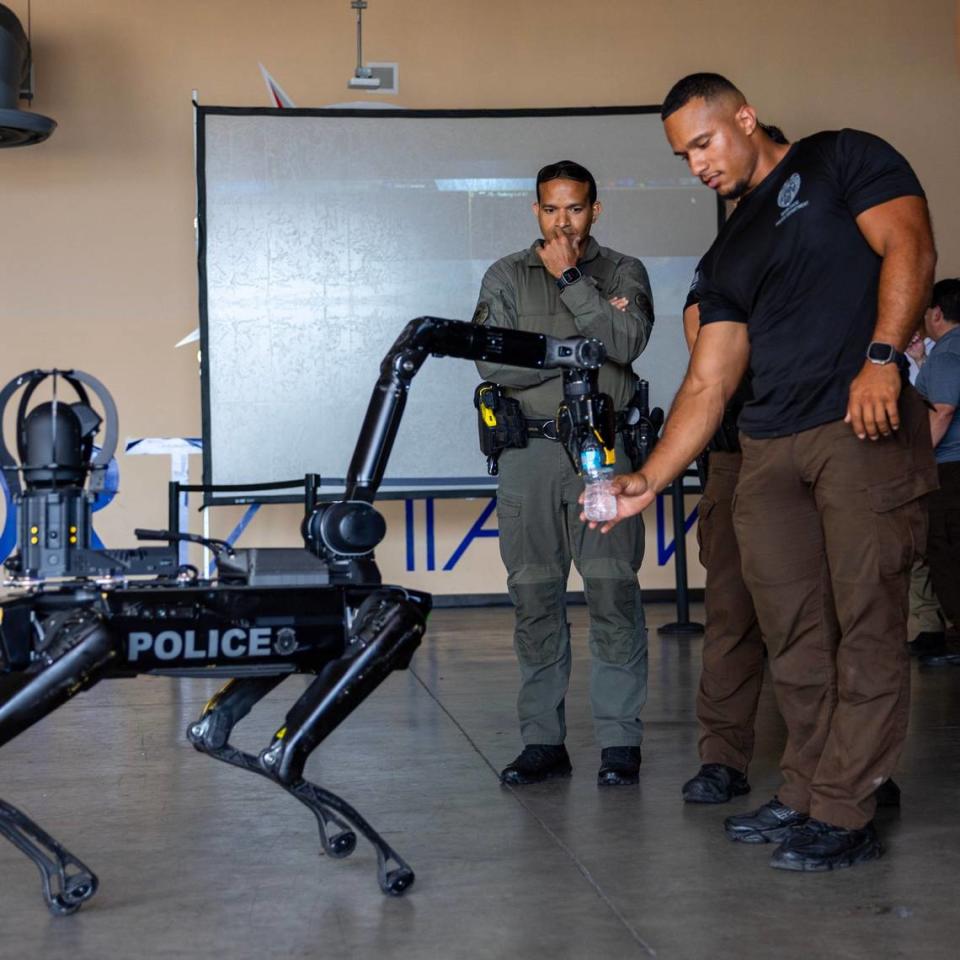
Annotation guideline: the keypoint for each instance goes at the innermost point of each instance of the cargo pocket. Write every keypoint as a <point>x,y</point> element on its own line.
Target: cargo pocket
<point>510,523</point>
<point>901,518</point>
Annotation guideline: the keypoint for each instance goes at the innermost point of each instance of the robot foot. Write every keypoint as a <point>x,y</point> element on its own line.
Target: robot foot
<point>393,872</point>
<point>67,882</point>
<point>338,823</point>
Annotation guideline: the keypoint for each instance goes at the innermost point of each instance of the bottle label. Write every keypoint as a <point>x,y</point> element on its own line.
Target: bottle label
<point>591,460</point>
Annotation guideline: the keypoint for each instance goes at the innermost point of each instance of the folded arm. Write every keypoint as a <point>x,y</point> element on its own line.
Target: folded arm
<point>624,331</point>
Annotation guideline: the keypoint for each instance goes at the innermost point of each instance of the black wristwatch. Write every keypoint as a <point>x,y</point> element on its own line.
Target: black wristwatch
<point>570,275</point>
<point>882,353</point>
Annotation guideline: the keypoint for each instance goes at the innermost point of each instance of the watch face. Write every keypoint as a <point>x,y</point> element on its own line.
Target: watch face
<point>571,275</point>
<point>880,352</point>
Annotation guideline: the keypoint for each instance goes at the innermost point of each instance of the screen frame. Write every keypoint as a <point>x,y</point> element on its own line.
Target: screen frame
<point>440,488</point>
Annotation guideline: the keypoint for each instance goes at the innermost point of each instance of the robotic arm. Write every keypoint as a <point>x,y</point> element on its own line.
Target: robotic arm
<point>352,527</point>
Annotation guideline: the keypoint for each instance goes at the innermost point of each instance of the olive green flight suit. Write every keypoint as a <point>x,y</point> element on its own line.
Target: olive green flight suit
<point>537,498</point>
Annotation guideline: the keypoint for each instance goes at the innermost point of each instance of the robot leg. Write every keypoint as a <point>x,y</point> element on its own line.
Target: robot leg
<point>72,660</point>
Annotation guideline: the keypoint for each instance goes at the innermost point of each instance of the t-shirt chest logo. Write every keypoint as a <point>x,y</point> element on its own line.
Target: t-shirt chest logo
<point>787,198</point>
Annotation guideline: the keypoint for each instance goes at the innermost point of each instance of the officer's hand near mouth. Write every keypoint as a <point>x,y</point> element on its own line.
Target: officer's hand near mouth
<point>560,252</point>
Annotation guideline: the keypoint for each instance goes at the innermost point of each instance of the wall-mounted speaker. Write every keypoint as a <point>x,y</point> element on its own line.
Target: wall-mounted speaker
<point>18,128</point>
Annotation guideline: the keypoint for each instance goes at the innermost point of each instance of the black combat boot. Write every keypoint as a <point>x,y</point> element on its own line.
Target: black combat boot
<point>619,766</point>
<point>715,783</point>
<point>772,822</point>
<point>928,643</point>
<point>816,846</point>
<point>539,761</point>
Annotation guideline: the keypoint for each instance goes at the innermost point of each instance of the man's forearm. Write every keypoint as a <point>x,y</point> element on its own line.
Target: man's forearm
<point>906,277</point>
<point>903,238</point>
<point>695,416</point>
<point>940,421</point>
<point>899,232</point>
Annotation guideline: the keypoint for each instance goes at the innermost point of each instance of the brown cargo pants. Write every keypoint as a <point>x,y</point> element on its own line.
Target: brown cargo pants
<point>829,527</point>
<point>943,545</point>
<point>733,653</point>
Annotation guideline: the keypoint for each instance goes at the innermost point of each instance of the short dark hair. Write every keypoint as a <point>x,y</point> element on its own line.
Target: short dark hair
<point>567,170</point>
<point>946,296</point>
<point>773,132</point>
<point>705,85</point>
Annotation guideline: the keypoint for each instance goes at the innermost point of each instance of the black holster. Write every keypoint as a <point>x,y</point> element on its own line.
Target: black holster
<point>500,423</point>
<point>639,425</point>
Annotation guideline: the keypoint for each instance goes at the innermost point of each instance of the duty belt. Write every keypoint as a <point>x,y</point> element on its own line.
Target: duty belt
<point>541,429</point>
<point>538,429</point>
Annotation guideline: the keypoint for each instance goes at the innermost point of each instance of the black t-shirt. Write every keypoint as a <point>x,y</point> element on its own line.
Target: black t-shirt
<point>791,263</point>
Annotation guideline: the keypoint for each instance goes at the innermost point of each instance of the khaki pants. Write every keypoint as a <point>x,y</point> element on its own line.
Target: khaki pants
<point>540,534</point>
<point>733,652</point>
<point>943,546</point>
<point>829,527</point>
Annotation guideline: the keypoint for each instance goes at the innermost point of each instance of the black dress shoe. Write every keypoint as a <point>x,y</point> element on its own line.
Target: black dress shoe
<point>817,846</point>
<point>619,766</point>
<point>887,794</point>
<point>715,783</point>
<point>772,822</point>
<point>928,642</point>
<point>539,761</point>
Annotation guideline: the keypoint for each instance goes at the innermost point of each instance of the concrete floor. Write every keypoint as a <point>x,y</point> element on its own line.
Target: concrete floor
<point>195,857</point>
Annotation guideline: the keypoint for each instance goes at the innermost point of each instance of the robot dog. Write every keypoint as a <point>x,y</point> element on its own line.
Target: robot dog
<point>74,615</point>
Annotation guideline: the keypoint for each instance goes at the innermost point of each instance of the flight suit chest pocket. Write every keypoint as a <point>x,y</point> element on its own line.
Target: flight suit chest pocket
<point>552,324</point>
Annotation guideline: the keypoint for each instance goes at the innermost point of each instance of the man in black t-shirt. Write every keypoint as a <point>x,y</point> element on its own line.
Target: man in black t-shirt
<point>817,281</point>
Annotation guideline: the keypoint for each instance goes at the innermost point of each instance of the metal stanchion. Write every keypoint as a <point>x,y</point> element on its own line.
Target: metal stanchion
<point>684,626</point>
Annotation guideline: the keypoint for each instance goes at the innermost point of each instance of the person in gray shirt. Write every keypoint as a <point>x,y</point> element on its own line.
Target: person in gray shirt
<point>939,382</point>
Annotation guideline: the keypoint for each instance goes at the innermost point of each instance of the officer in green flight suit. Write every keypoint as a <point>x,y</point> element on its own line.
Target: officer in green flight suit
<point>568,285</point>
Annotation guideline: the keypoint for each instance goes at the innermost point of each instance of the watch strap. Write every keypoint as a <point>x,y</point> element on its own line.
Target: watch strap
<point>569,276</point>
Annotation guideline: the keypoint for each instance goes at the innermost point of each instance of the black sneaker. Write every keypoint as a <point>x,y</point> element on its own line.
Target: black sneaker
<point>887,794</point>
<point>619,766</point>
<point>715,783</point>
<point>539,761</point>
<point>771,822</point>
<point>928,642</point>
<point>817,846</point>
<point>939,660</point>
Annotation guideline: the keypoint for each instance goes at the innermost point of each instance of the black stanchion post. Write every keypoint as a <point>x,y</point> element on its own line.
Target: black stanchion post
<point>684,626</point>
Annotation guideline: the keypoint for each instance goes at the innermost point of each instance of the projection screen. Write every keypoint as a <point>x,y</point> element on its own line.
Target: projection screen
<point>323,232</point>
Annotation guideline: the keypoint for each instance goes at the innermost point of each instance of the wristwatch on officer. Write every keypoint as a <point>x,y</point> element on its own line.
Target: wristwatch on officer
<point>569,276</point>
<point>882,353</point>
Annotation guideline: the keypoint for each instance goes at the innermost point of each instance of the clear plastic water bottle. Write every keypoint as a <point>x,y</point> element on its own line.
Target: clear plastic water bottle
<point>599,501</point>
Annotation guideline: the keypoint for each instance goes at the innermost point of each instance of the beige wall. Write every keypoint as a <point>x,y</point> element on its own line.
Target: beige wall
<point>97,246</point>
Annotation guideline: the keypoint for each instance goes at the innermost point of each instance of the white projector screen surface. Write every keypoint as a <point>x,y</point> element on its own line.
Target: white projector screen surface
<point>324,232</point>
